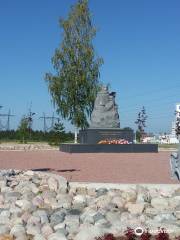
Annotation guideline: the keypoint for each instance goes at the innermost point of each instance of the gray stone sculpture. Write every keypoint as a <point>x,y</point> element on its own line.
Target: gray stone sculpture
<point>175,164</point>
<point>175,157</point>
<point>105,112</point>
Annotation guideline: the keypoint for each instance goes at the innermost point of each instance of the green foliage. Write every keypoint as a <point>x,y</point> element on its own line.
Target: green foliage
<point>128,129</point>
<point>138,136</point>
<point>36,136</point>
<point>74,85</point>
<point>177,129</point>
<point>170,146</point>
<point>23,129</point>
<point>57,134</point>
<point>141,124</point>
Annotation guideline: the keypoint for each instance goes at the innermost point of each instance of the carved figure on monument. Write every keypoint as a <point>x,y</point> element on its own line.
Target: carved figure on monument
<point>105,112</point>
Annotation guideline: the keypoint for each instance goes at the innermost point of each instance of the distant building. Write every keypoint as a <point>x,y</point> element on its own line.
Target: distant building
<point>173,129</point>
<point>164,138</point>
<point>150,139</point>
<point>173,137</point>
<point>177,110</point>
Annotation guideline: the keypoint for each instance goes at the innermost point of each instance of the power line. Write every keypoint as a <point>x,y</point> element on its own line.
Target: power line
<point>153,91</point>
<point>160,99</point>
<point>53,118</point>
<point>8,115</point>
<point>137,108</point>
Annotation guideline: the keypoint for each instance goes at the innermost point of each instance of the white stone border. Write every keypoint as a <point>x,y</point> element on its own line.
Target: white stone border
<point>108,186</point>
<point>123,186</point>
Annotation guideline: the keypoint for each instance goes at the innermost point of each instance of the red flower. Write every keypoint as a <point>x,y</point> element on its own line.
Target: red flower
<point>130,234</point>
<point>162,234</point>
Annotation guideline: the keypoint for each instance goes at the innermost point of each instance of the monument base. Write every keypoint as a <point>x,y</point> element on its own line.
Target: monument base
<point>94,135</point>
<point>109,148</point>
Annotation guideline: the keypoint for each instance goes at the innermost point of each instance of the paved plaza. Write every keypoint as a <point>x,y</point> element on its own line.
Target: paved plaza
<point>110,168</point>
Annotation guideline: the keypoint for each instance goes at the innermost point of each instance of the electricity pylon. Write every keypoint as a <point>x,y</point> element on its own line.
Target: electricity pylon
<point>53,118</point>
<point>8,115</point>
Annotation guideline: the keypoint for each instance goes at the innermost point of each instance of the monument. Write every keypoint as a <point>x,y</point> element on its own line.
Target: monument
<point>105,122</point>
<point>105,127</point>
<point>105,112</point>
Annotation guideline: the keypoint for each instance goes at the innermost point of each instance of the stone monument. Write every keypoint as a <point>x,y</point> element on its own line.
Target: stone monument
<point>104,123</point>
<point>175,164</point>
<point>105,112</point>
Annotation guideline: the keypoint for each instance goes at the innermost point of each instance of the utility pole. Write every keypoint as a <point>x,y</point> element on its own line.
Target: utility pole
<point>30,120</point>
<point>44,121</point>
<point>8,121</point>
<point>7,126</point>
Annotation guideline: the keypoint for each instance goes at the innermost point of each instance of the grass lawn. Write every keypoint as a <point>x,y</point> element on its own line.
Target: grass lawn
<point>168,145</point>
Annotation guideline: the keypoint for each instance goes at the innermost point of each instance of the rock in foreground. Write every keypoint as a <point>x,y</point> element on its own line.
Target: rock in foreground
<point>40,206</point>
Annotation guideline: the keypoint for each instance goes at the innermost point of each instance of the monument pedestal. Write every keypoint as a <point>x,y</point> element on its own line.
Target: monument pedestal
<point>89,138</point>
<point>94,135</point>
<point>109,148</point>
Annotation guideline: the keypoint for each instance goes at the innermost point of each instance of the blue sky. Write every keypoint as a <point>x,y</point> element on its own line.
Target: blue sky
<point>138,40</point>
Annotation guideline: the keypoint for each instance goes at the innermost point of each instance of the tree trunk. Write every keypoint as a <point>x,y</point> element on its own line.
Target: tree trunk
<point>135,141</point>
<point>75,135</point>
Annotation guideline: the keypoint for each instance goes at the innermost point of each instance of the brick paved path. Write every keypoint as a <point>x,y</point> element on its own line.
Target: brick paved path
<point>97,167</point>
